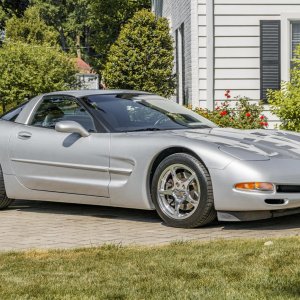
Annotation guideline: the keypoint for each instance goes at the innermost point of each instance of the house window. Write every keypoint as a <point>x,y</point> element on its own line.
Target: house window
<point>180,65</point>
<point>270,56</point>
<point>295,38</point>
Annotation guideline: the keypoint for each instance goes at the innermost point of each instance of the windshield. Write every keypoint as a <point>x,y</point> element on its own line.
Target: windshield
<point>132,112</point>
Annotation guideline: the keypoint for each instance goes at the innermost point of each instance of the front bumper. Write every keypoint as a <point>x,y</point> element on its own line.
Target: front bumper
<point>277,171</point>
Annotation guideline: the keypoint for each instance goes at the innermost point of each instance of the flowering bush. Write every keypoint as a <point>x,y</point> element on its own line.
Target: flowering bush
<point>243,116</point>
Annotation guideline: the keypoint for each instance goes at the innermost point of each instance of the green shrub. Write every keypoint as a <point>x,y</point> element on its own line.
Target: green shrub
<point>142,57</point>
<point>30,29</point>
<point>285,103</point>
<point>28,70</point>
<point>243,116</point>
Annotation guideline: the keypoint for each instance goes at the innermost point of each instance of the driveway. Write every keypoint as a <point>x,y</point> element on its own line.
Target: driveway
<point>32,224</point>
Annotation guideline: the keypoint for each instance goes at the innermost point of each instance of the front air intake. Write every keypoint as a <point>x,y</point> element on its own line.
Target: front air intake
<point>275,201</point>
<point>288,189</point>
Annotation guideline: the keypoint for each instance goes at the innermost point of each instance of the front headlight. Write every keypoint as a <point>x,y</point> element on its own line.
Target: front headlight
<point>255,186</point>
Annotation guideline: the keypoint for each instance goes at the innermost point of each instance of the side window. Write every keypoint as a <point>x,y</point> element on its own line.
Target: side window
<point>56,109</point>
<point>13,114</point>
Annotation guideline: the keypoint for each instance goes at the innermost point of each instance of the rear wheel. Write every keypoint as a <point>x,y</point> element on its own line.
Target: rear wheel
<point>182,192</point>
<point>4,201</point>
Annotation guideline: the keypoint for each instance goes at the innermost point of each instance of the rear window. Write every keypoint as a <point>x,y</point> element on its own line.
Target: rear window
<point>13,113</point>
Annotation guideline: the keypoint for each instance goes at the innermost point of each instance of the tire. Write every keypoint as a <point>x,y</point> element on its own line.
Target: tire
<point>182,192</point>
<point>4,201</point>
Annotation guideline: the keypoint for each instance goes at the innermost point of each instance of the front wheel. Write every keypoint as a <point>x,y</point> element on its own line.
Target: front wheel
<point>182,192</point>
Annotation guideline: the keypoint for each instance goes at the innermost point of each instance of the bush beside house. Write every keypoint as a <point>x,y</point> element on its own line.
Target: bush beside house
<point>142,57</point>
<point>243,116</point>
<point>285,103</point>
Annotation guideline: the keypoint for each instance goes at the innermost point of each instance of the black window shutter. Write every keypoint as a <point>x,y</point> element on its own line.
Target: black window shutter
<point>270,63</point>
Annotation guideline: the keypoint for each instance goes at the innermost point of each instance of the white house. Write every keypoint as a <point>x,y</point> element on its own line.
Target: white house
<point>242,45</point>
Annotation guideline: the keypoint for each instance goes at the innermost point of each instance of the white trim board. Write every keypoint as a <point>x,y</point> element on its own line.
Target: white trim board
<point>286,19</point>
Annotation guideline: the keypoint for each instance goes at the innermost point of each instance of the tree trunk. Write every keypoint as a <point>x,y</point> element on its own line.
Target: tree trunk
<point>62,39</point>
<point>78,48</point>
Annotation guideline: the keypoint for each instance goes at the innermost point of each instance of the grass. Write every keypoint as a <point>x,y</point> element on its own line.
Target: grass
<point>238,269</point>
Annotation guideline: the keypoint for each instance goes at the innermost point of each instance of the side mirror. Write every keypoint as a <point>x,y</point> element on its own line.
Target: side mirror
<point>71,127</point>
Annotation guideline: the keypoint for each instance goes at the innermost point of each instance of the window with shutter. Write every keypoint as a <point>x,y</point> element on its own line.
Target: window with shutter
<point>270,56</point>
<point>295,38</point>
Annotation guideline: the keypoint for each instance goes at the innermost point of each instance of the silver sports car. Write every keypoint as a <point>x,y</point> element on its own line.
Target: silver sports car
<point>138,150</point>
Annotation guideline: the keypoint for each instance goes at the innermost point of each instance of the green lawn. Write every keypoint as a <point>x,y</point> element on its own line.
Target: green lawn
<point>239,269</point>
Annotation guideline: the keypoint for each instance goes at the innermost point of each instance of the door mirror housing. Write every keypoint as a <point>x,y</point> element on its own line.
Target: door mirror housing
<point>71,127</point>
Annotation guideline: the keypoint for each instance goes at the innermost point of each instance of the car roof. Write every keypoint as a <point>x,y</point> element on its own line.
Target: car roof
<point>84,93</point>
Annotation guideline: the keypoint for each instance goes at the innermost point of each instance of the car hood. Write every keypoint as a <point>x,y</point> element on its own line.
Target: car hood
<point>249,144</point>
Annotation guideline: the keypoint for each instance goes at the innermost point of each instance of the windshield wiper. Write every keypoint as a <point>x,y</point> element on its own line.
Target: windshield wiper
<point>146,129</point>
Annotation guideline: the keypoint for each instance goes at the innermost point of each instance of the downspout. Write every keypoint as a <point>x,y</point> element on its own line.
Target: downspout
<point>210,26</point>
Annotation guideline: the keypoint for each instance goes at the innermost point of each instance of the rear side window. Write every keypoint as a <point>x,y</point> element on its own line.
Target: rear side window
<point>55,109</point>
<point>13,114</point>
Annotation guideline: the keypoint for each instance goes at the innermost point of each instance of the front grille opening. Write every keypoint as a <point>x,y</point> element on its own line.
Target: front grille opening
<point>288,188</point>
<point>275,201</point>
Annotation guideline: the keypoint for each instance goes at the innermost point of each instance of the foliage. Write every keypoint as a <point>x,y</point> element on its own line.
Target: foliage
<point>108,17</point>
<point>28,70</point>
<point>237,269</point>
<point>9,8</point>
<point>70,18</point>
<point>2,18</point>
<point>142,57</point>
<point>31,28</point>
<point>285,103</point>
<point>88,26</point>
<point>243,116</point>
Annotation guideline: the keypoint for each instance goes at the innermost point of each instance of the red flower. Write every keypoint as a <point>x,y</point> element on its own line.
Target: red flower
<point>262,123</point>
<point>227,94</point>
<point>262,117</point>
<point>266,124</point>
<point>248,115</point>
<point>223,113</point>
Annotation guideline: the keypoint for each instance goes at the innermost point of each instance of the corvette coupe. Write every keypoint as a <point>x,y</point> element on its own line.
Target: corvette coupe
<point>138,150</point>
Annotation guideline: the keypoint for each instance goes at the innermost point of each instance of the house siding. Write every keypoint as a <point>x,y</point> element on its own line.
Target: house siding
<point>226,54</point>
<point>237,45</point>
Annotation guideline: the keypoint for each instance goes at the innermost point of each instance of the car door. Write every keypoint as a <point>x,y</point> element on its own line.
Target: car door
<point>47,160</point>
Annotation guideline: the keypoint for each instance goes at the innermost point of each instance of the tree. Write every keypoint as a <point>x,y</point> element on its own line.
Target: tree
<point>55,13</point>
<point>89,27</point>
<point>28,70</point>
<point>9,8</point>
<point>71,19</point>
<point>285,103</point>
<point>142,57</point>
<point>31,28</point>
<point>108,17</point>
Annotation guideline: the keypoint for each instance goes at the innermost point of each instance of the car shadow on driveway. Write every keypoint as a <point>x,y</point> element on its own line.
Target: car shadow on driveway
<point>291,222</point>
<point>104,212</point>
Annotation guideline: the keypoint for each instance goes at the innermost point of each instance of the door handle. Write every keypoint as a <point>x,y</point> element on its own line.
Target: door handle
<point>24,135</point>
